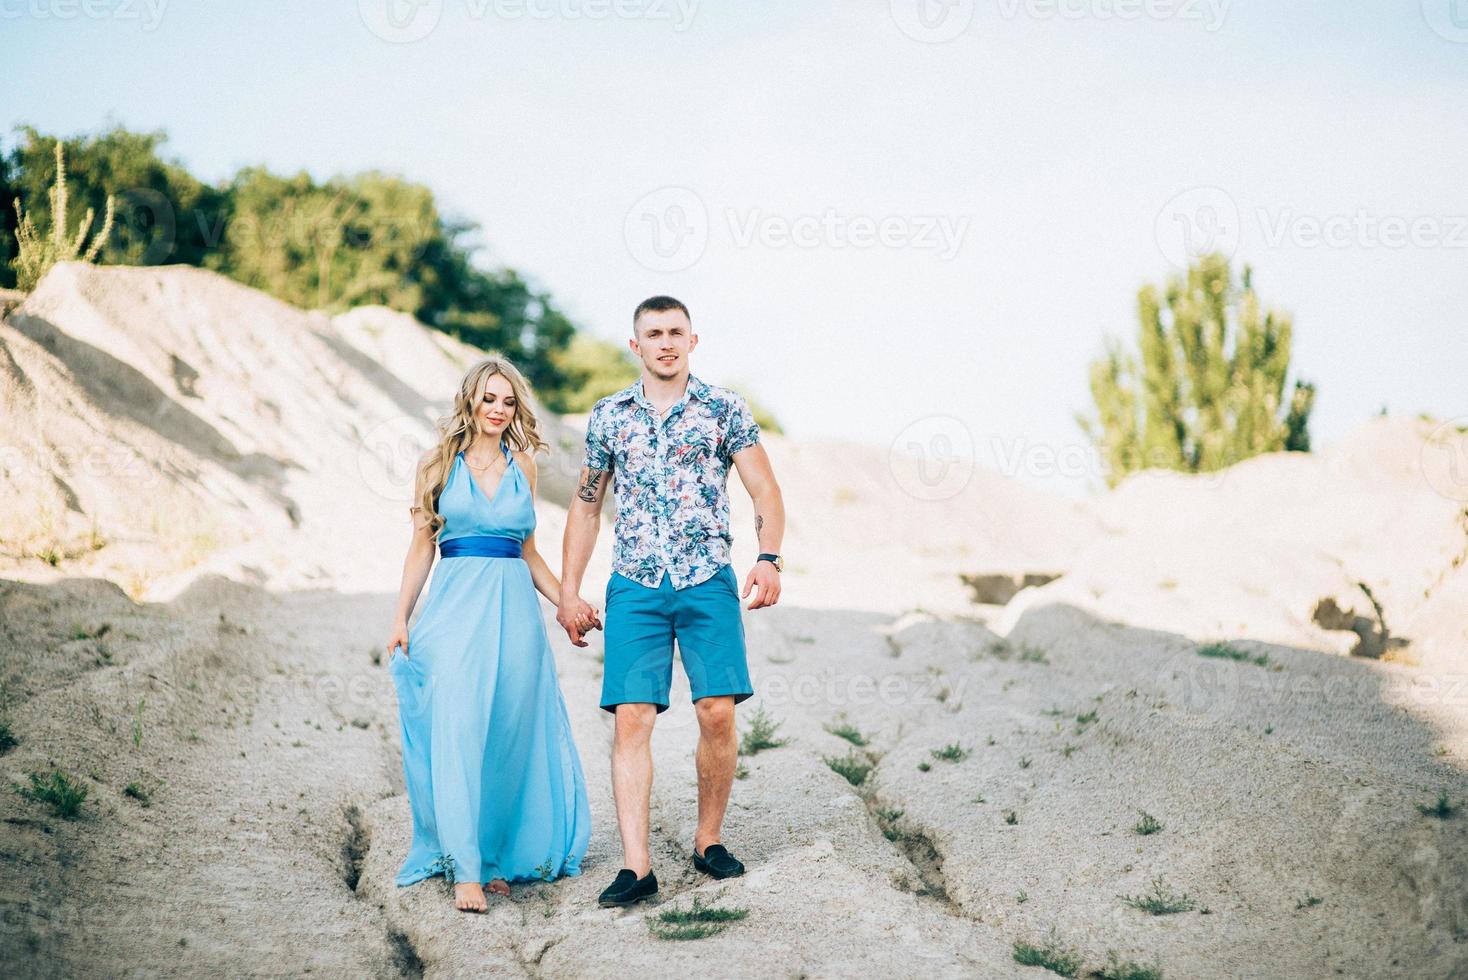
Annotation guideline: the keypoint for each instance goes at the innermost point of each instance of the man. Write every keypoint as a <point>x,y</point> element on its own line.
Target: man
<point>670,439</point>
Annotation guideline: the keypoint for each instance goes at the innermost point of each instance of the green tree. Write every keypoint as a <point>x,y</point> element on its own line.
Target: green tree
<point>1206,388</point>
<point>36,253</point>
<point>163,214</point>
<point>372,238</point>
<point>592,368</point>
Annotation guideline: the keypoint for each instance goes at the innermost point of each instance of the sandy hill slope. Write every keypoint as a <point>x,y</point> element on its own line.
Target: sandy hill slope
<point>185,422</point>
<point>1359,548</point>
<point>953,779</point>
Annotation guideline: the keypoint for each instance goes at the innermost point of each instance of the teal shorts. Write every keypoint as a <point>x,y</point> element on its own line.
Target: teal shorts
<point>641,625</point>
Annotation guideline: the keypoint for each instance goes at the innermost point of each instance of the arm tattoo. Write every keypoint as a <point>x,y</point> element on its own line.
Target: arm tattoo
<point>759,524</point>
<point>590,490</point>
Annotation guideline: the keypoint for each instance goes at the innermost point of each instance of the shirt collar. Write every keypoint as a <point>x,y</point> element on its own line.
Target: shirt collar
<point>696,389</point>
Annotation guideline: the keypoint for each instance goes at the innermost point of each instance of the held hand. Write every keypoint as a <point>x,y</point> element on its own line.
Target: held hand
<point>399,638</point>
<point>578,617</point>
<point>767,578</point>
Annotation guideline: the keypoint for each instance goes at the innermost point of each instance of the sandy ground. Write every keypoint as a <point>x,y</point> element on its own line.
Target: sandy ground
<point>235,683</point>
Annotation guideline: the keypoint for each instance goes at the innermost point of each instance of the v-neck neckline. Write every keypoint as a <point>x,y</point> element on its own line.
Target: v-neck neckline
<point>474,484</point>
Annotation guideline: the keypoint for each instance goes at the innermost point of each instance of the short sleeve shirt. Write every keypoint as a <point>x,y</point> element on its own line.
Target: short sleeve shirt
<point>670,478</point>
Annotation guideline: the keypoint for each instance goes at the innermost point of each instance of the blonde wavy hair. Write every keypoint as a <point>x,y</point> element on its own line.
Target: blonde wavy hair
<point>458,430</point>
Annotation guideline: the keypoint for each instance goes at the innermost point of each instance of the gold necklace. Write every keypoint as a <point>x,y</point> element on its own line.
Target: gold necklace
<point>480,469</point>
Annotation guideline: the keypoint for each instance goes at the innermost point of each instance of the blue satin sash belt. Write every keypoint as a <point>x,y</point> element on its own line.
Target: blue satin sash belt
<point>480,546</point>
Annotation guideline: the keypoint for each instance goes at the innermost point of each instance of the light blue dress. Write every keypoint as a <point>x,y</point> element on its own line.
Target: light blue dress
<point>493,775</point>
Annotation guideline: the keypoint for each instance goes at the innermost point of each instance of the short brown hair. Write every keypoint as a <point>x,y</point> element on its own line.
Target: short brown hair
<point>658,304</point>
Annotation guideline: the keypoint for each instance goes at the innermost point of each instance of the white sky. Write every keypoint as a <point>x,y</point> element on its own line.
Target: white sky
<point>1054,146</point>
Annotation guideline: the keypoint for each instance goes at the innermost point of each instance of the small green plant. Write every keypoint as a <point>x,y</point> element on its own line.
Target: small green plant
<point>1024,762</point>
<point>1083,720</point>
<point>35,253</point>
<point>138,723</point>
<point>698,922</point>
<point>444,865</point>
<point>1010,817</point>
<point>1148,825</point>
<point>136,791</point>
<point>1441,808</point>
<point>1308,902</point>
<point>8,740</point>
<point>1160,901</point>
<point>1227,651</point>
<point>1021,897</point>
<point>1117,969</point>
<point>741,771</point>
<point>924,766</point>
<point>979,799</point>
<point>851,733</point>
<point>887,820</point>
<point>952,752</point>
<point>761,734</point>
<point>1051,955</point>
<point>1067,749</point>
<point>58,791</point>
<point>853,767</point>
<point>1031,654</point>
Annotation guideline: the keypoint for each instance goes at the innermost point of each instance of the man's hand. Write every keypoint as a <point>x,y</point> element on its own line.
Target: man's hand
<point>578,617</point>
<point>767,578</point>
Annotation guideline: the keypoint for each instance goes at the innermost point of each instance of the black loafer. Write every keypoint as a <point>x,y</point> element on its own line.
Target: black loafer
<point>627,888</point>
<point>717,861</point>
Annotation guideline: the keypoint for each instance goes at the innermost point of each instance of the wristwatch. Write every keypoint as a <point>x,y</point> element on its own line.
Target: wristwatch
<point>775,560</point>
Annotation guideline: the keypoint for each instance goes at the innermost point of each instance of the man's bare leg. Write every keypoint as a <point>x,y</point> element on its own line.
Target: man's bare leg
<point>718,755</point>
<point>632,781</point>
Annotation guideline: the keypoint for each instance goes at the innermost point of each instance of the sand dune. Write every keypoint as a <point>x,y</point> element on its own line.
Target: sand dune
<point>237,735</point>
<point>1253,551</point>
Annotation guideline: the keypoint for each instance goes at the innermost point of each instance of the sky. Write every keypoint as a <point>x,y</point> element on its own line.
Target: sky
<point>909,223</point>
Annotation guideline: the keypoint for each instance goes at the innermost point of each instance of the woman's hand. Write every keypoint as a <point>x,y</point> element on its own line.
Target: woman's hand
<point>399,638</point>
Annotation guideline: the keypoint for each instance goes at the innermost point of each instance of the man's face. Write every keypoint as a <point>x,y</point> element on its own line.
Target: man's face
<point>664,340</point>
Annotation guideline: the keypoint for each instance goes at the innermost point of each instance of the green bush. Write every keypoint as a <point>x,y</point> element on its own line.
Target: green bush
<point>1206,389</point>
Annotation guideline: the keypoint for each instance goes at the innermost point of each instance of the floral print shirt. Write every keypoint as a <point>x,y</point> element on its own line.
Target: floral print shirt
<point>670,476</point>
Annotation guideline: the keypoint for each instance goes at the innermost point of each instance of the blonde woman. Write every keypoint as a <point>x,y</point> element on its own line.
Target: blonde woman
<point>493,775</point>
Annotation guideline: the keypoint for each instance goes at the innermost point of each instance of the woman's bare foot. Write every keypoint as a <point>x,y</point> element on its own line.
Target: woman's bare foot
<point>469,897</point>
<point>498,887</point>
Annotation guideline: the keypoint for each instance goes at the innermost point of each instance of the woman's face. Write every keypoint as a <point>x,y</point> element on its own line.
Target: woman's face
<point>496,407</point>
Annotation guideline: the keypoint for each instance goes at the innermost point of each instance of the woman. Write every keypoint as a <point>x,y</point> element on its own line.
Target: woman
<point>493,775</point>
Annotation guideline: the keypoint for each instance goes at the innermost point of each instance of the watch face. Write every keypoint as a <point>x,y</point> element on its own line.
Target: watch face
<point>779,563</point>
